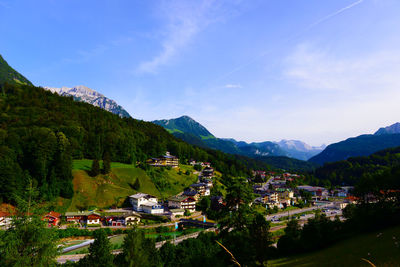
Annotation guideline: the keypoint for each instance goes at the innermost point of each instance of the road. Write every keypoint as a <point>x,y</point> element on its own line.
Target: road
<point>292,212</point>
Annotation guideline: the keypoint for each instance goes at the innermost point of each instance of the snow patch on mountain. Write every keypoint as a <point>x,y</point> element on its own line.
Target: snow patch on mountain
<point>85,94</point>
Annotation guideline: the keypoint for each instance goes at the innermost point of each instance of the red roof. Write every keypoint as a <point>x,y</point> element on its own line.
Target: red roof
<point>53,214</point>
<point>4,214</point>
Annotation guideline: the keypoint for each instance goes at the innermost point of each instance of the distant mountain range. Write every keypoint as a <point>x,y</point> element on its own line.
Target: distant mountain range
<point>9,75</point>
<point>363,145</point>
<point>276,154</point>
<point>300,150</point>
<point>84,94</point>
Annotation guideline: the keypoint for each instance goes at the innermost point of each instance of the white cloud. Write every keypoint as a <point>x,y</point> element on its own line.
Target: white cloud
<point>233,86</point>
<point>183,20</point>
<point>316,69</point>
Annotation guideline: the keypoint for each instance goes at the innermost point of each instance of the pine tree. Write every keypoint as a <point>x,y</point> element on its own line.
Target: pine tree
<point>99,251</point>
<point>95,168</point>
<point>136,185</point>
<point>106,163</point>
<point>28,242</point>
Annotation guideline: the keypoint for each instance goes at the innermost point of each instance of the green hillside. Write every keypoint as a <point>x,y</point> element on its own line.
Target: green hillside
<point>362,145</point>
<point>9,75</point>
<point>104,191</point>
<point>381,248</point>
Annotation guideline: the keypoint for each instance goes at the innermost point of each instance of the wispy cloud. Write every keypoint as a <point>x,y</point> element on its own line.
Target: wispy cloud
<point>233,86</point>
<point>292,37</point>
<point>317,69</point>
<point>183,20</point>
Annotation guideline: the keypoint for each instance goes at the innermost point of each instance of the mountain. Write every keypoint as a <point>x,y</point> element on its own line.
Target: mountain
<point>84,94</point>
<point>299,150</point>
<point>362,145</point>
<point>194,133</point>
<point>185,124</point>
<point>9,75</point>
<point>392,129</point>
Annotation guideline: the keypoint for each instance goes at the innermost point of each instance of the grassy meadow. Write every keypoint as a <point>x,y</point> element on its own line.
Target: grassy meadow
<point>113,189</point>
<point>381,248</point>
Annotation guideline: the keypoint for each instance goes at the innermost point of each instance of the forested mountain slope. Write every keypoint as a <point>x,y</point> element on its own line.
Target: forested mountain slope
<point>41,132</point>
<point>362,145</point>
<point>9,75</point>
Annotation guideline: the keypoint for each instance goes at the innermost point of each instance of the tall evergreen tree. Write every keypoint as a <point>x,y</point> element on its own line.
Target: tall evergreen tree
<point>138,251</point>
<point>95,168</point>
<point>99,251</point>
<point>106,163</point>
<point>136,185</point>
<point>28,242</point>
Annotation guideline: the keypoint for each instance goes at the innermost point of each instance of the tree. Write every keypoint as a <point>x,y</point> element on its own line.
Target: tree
<point>261,237</point>
<point>289,243</point>
<point>99,251</point>
<point>28,242</point>
<point>95,168</point>
<point>187,213</point>
<point>138,251</point>
<point>106,163</point>
<point>136,185</point>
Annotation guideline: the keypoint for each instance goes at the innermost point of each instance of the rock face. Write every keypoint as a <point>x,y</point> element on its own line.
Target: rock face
<point>85,94</point>
<point>299,150</point>
<point>392,129</point>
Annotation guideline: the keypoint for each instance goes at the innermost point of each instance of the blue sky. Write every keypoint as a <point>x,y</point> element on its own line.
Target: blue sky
<point>317,71</point>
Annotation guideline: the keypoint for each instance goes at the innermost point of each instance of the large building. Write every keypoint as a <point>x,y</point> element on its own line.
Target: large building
<point>182,202</point>
<point>164,161</point>
<point>146,203</point>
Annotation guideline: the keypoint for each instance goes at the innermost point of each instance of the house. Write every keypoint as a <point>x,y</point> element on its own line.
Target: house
<point>83,217</point>
<point>76,217</point>
<point>5,219</point>
<point>131,220</point>
<point>270,198</point>
<point>192,193</point>
<point>207,181</point>
<point>52,218</point>
<point>146,203</point>
<point>202,188</point>
<point>208,172</point>
<point>93,218</point>
<point>164,161</point>
<point>182,202</point>
<point>285,193</point>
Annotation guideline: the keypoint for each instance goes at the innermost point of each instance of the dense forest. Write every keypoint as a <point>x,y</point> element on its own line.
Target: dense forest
<point>352,170</point>
<point>41,133</point>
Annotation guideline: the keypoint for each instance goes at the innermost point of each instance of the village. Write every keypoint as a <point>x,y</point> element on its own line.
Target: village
<point>274,193</point>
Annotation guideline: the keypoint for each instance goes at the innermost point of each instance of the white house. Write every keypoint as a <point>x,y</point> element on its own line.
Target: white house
<point>146,203</point>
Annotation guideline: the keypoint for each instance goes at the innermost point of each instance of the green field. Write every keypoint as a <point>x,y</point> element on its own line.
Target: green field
<point>112,189</point>
<point>381,248</point>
